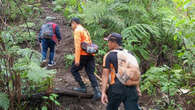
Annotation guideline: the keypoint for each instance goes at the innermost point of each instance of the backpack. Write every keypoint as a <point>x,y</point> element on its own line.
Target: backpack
<point>47,31</point>
<point>125,62</point>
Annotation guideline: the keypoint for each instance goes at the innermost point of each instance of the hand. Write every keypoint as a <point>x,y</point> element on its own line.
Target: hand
<point>77,64</point>
<point>139,92</point>
<point>40,46</point>
<point>104,98</point>
<point>58,42</point>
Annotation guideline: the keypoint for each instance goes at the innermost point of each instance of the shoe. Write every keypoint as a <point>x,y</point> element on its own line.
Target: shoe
<point>51,64</point>
<point>97,94</point>
<point>43,63</point>
<point>80,89</point>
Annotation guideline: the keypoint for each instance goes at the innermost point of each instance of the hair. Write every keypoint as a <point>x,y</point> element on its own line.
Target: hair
<point>115,40</point>
<point>76,20</point>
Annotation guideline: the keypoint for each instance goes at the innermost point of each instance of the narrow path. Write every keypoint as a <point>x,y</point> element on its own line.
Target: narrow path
<point>64,79</point>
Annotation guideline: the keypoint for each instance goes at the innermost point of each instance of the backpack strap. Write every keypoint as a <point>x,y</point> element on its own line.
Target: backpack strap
<point>54,27</point>
<point>54,38</point>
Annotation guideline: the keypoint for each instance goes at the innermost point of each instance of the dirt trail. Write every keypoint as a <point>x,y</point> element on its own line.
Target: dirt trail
<point>64,79</point>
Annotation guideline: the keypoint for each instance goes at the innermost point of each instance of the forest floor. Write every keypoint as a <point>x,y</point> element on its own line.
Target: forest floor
<point>64,80</point>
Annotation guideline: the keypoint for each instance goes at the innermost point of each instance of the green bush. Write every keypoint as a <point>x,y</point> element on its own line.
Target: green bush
<point>69,58</point>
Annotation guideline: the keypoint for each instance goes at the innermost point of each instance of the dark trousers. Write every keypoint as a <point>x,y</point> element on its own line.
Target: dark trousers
<point>48,43</point>
<point>89,63</point>
<point>119,93</point>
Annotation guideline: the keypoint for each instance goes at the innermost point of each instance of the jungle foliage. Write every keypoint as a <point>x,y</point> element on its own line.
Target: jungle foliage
<point>159,32</point>
<point>20,73</point>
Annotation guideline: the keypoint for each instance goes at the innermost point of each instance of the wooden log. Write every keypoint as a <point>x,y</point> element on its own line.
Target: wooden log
<point>60,93</point>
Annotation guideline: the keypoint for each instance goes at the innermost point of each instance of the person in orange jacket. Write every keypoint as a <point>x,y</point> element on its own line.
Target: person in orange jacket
<point>83,59</point>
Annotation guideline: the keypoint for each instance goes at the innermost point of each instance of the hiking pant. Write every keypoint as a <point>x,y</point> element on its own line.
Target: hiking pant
<point>118,93</point>
<point>48,43</point>
<point>89,63</point>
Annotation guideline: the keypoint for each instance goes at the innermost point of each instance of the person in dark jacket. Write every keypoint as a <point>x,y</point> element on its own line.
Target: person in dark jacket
<point>50,43</point>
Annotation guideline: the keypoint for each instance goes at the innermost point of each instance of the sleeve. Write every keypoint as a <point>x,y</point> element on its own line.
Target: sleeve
<point>57,32</point>
<point>39,37</point>
<point>106,61</point>
<point>77,43</point>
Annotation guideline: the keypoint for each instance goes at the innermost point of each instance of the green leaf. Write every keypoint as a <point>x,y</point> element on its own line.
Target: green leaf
<point>57,103</point>
<point>45,97</point>
<point>37,74</point>
<point>44,108</point>
<point>4,101</point>
<point>144,53</point>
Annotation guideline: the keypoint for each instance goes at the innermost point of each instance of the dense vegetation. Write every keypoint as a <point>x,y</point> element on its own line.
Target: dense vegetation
<point>19,64</point>
<point>161,33</point>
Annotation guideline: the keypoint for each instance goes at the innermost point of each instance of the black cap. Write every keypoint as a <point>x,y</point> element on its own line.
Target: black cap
<point>114,37</point>
<point>77,20</point>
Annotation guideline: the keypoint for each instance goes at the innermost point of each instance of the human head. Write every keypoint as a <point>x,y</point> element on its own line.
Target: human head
<point>75,22</point>
<point>49,19</point>
<point>114,41</point>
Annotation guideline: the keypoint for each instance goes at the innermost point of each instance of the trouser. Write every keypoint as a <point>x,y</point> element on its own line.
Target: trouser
<point>48,43</point>
<point>118,93</point>
<point>89,63</point>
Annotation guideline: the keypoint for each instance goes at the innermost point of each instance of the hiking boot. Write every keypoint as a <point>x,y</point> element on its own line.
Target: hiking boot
<point>43,63</point>
<point>97,94</point>
<point>51,64</point>
<point>80,89</point>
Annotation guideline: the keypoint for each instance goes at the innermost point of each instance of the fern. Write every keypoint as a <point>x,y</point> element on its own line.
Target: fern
<point>37,74</point>
<point>93,12</point>
<point>140,32</point>
<point>139,36</point>
<point>4,101</point>
<point>114,22</point>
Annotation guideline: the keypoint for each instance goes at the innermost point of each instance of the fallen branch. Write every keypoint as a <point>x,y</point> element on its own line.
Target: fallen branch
<point>98,77</point>
<point>66,92</point>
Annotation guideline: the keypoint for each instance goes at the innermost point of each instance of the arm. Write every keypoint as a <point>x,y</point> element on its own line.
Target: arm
<point>105,75</point>
<point>138,90</point>
<point>104,98</point>
<point>57,32</point>
<point>105,79</point>
<point>39,37</point>
<point>77,43</point>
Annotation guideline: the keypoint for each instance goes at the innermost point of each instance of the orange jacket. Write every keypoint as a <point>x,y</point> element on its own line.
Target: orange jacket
<point>80,35</point>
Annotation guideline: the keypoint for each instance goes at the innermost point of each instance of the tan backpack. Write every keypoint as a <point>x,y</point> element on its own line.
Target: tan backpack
<point>127,67</point>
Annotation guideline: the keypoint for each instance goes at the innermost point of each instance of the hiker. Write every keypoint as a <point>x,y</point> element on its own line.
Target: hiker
<point>83,59</point>
<point>122,86</point>
<point>49,37</point>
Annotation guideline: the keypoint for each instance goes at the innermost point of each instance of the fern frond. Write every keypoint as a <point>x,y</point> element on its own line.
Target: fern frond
<point>114,22</point>
<point>93,12</point>
<point>140,32</point>
<point>4,101</point>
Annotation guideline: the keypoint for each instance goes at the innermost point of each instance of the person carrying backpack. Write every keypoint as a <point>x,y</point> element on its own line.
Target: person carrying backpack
<point>84,57</point>
<point>49,37</point>
<point>121,72</point>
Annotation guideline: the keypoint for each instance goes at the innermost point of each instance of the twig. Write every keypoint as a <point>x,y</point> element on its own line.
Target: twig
<point>98,77</point>
<point>3,21</point>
